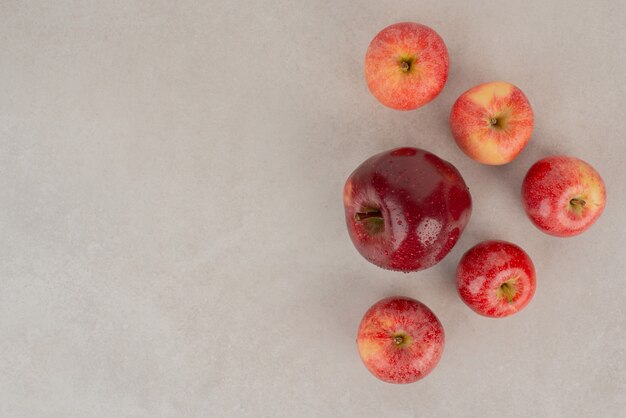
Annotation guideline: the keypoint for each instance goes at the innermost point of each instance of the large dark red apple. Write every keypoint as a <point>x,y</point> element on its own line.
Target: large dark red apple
<point>406,208</point>
<point>400,340</point>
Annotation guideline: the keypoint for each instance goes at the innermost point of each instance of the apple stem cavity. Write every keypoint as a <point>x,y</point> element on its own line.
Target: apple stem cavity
<point>398,339</point>
<point>372,220</point>
<point>507,290</point>
<point>368,214</point>
<point>577,203</point>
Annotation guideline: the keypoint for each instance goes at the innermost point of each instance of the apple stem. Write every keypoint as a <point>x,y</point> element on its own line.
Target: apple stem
<point>360,216</point>
<point>405,66</point>
<point>577,202</point>
<point>508,291</point>
<point>493,121</point>
<point>398,340</point>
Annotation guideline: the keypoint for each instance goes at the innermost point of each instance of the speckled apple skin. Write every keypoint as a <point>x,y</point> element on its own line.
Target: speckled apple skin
<point>484,268</point>
<point>400,364</point>
<point>406,90</point>
<point>550,185</point>
<point>470,122</point>
<point>424,201</point>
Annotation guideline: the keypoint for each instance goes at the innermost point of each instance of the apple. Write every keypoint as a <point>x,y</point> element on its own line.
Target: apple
<point>563,196</point>
<point>492,122</point>
<point>400,340</point>
<point>406,208</point>
<point>496,278</point>
<point>406,65</point>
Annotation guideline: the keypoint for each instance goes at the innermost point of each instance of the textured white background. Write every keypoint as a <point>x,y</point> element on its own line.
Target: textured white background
<point>172,241</point>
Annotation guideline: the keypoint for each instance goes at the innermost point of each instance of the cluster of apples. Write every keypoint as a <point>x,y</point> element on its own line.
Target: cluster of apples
<point>406,208</point>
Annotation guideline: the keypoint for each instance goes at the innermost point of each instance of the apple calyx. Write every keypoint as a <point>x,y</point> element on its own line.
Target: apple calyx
<point>401,339</point>
<point>498,122</point>
<point>406,64</point>
<point>508,290</point>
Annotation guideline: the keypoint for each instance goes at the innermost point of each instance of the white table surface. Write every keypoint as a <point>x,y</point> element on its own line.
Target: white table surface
<point>172,236</point>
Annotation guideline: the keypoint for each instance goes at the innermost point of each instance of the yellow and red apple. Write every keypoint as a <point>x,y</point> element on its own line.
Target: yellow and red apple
<point>563,196</point>
<point>400,340</point>
<point>492,122</point>
<point>406,65</point>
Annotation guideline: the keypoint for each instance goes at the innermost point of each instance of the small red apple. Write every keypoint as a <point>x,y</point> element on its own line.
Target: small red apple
<point>496,278</point>
<point>406,208</point>
<point>563,196</point>
<point>400,340</point>
<point>406,65</point>
<point>492,122</point>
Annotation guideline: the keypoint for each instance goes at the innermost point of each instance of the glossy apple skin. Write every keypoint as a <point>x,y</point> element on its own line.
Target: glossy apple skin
<point>484,269</point>
<point>422,340</point>
<point>406,65</point>
<point>549,188</point>
<point>424,203</point>
<point>492,122</point>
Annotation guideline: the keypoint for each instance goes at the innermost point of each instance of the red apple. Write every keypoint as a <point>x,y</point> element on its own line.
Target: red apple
<point>563,196</point>
<point>492,122</point>
<point>496,278</point>
<point>400,340</point>
<point>406,208</point>
<point>406,65</point>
